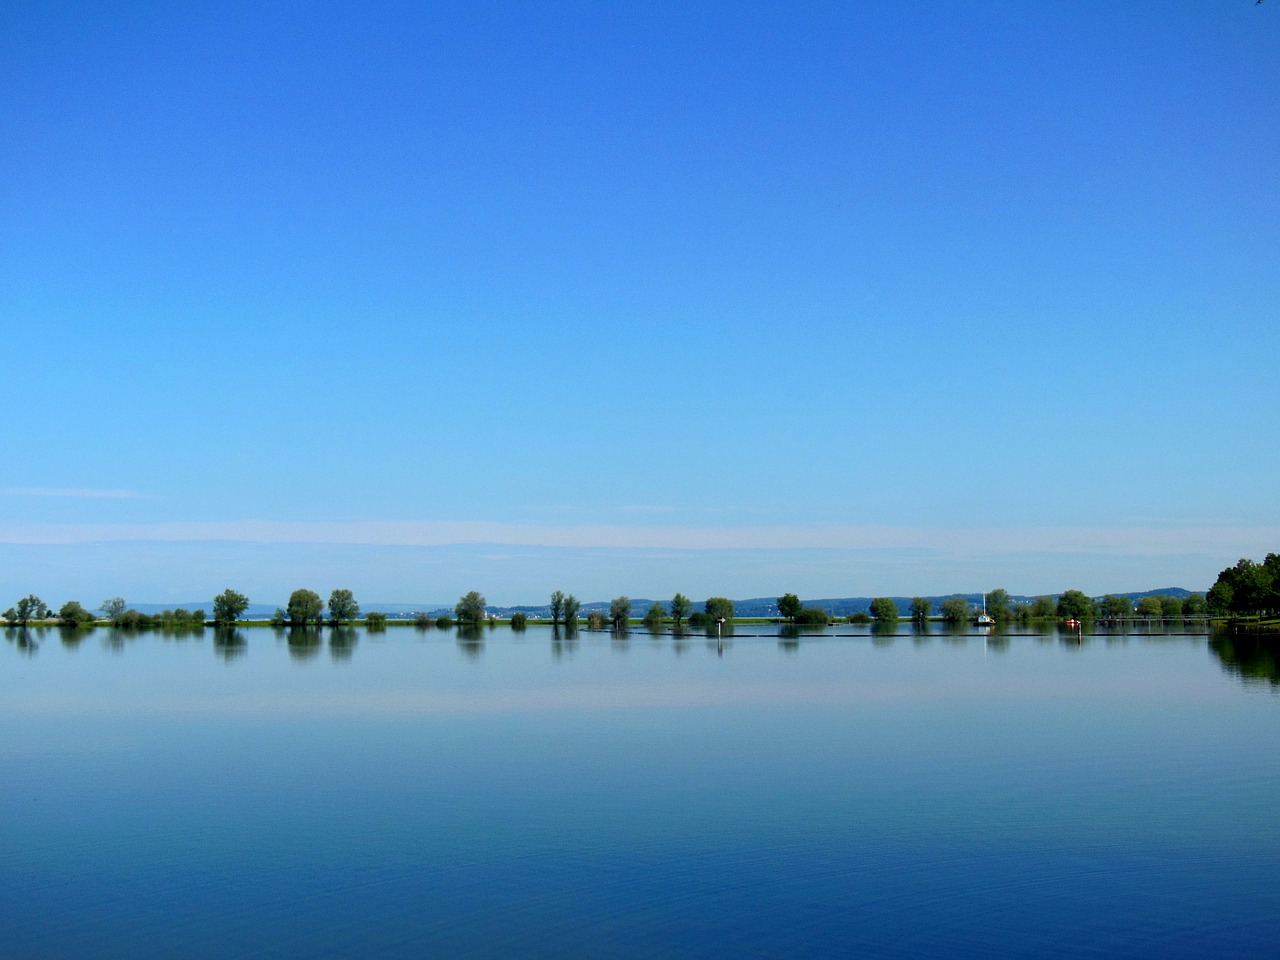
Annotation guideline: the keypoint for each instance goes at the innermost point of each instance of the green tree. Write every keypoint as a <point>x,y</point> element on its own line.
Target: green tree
<point>1194,605</point>
<point>1247,587</point>
<point>133,620</point>
<point>557,607</point>
<point>1116,607</point>
<point>680,607</point>
<point>29,608</point>
<point>279,618</point>
<point>884,609</point>
<point>423,621</point>
<point>999,605</point>
<point>1042,608</point>
<point>595,620</point>
<point>1150,606</point>
<point>1075,605</point>
<point>227,607</point>
<point>343,606</point>
<point>1171,606</point>
<point>812,617</point>
<point>198,618</point>
<point>653,619</point>
<point>789,605</point>
<point>954,609</point>
<point>375,622</point>
<point>519,620</point>
<point>113,608</point>
<point>717,607</point>
<point>304,607</point>
<point>1219,599</point>
<point>619,612</point>
<point>920,609</point>
<point>571,608</point>
<point>470,608</point>
<point>73,614</point>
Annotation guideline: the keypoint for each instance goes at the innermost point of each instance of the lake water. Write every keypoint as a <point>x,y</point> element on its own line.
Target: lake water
<point>413,794</point>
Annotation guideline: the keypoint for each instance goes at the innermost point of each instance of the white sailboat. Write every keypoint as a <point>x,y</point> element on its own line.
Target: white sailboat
<point>983,620</point>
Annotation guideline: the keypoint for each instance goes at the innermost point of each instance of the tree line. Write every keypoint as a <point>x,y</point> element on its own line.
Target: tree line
<point>1000,607</point>
<point>114,611</point>
<point>1247,587</point>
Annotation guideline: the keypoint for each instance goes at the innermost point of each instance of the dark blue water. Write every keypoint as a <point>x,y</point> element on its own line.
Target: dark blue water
<point>410,795</point>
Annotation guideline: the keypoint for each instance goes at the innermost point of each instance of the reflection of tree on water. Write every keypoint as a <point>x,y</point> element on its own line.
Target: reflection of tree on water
<point>229,643</point>
<point>304,642</point>
<point>564,643</point>
<point>72,634</point>
<point>342,642</point>
<point>471,640</point>
<point>23,638</point>
<point>883,634</point>
<point>1251,657</point>
<point>115,639</point>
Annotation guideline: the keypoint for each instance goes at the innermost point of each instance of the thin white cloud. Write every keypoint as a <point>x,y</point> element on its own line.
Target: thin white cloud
<point>1128,540</point>
<point>81,493</point>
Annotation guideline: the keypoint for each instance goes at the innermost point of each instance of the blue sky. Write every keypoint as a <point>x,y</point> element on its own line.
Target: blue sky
<point>739,299</point>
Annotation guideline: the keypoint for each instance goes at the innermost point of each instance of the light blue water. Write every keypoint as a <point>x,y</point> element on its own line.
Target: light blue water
<point>407,795</point>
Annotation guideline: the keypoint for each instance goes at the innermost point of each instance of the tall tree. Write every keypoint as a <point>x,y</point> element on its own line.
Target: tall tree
<point>343,606</point>
<point>884,609</point>
<point>1151,606</point>
<point>1247,587</point>
<point>72,613</point>
<point>304,607</point>
<point>1044,607</point>
<point>470,608</point>
<point>999,605</point>
<point>955,609</point>
<point>653,619</point>
<point>680,607</point>
<point>227,607</point>
<point>620,612</point>
<point>920,609</point>
<point>113,609</point>
<point>557,606</point>
<point>30,607</point>
<point>1075,605</point>
<point>718,607</point>
<point>571,607</point>
<point>1219,599</point>
<point>789,605</point>
<point>1116,607</point>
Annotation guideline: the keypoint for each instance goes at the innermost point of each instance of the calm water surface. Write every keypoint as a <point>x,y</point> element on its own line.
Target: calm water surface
<point>411,795</point>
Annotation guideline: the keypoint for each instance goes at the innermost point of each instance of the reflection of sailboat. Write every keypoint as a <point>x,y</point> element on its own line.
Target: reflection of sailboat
<point>982,620</point>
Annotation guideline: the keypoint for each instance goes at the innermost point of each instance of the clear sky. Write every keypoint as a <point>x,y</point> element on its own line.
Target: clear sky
<point>727,298</point>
